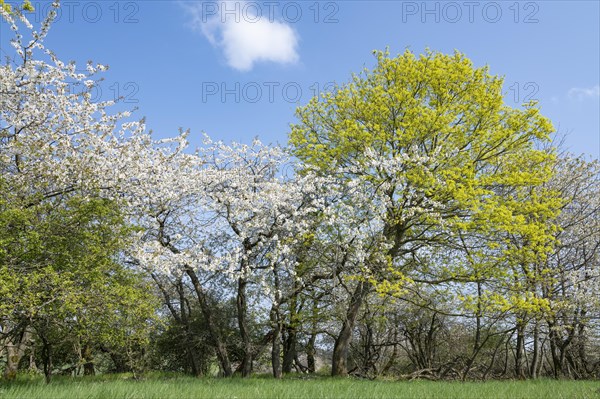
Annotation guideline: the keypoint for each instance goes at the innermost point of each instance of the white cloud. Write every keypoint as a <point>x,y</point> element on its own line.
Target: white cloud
<point>244,36</point>
<point>580,94</point>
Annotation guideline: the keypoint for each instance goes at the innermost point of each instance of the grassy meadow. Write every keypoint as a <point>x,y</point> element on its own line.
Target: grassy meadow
<point>177,387</point>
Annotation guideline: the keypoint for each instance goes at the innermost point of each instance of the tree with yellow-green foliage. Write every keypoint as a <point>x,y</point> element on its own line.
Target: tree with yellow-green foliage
<point>443,158</point>
<point>27,6</point>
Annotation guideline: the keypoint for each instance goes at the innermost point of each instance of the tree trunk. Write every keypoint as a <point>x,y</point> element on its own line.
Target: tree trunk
<point>32,366</point>
<point>213,329</point>
<point>276,347</point>
<point>553,338</point>
<point>519,350</point>
<point>242,309</point>
<point>310,346</point>
<point>581,349</point>
<point>46,358</point>
<point>536,351</point>
<point>14,353</point>
<point>476,343</point>
<point>368,350</point>
<point>195,368</point>
<point>88,360</point>
<point>184,320</point>
<point>392,360</point>
<point>342,343</point>
<point>275,317</point>
<point>15,350</point>
<point>289,348</point>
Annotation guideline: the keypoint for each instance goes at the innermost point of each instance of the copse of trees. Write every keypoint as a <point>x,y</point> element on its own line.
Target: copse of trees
<point>427,230</point>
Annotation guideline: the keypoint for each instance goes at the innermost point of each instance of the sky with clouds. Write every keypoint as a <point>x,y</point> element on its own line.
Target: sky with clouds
<point>238,69</point>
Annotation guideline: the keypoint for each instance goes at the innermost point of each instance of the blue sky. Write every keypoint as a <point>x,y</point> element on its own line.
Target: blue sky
<point>184,67</point>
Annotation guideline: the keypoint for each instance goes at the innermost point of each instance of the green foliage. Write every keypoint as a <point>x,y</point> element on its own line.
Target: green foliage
<point>173,351</point>
<point>469,162</point>
<point>439,103</point>
<point>26,6</point>
<point>62,273</point>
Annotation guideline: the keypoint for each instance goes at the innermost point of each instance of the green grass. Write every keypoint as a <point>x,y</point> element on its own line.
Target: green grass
<point>265,388</point>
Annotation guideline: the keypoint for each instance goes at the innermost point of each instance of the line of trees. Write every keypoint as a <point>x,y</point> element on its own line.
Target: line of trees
<point>416,226</point>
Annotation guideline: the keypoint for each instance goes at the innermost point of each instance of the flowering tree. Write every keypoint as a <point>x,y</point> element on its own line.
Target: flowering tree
<point>450,157</point>
<point>236,215</point>
<point>65,165</point>
<point>412,196</point>
<point>573,269</point>
<point>226,210</point>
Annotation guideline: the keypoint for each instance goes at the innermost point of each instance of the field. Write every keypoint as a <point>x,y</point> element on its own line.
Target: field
<point>265,388</point>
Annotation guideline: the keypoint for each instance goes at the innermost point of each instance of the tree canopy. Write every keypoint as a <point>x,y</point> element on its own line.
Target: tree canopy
<point>416,225</point>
